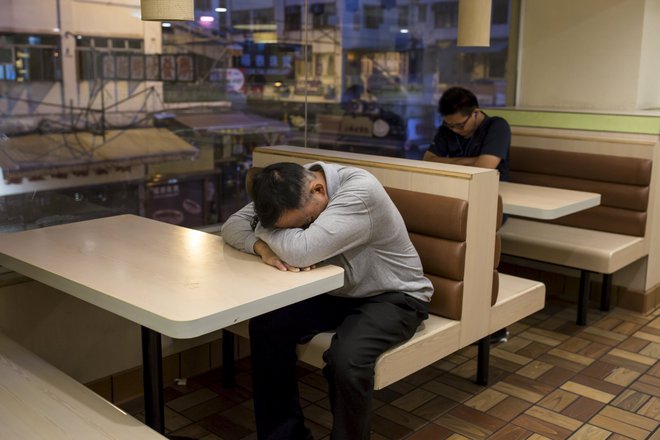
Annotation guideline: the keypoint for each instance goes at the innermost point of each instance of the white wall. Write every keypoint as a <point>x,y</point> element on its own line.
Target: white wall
<point>648,95</point>
<point>589,54</point>
<point>28,15</point>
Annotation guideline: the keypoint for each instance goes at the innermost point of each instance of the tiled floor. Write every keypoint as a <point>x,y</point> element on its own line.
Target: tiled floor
<point>552,379</point>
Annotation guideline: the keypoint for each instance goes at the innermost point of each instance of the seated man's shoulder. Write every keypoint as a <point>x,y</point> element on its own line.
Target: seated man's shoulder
<point>499,121</point>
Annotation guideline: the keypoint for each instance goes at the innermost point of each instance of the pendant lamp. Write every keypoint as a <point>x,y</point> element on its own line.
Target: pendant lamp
<point>168,10</point>
<point>473,23</point>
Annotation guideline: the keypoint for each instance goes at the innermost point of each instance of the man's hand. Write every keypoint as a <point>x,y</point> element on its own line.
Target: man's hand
<point>269,257</point>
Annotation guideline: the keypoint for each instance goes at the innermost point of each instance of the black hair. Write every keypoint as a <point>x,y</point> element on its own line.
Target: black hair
<point>457,100</point>
<point>278,188</point>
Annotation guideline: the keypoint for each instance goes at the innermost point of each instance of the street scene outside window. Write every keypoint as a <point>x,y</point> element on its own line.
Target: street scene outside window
<point>160,119</point>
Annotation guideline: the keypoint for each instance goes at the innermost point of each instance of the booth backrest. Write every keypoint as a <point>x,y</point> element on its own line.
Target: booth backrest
<point>623,182</point>
<point>437,226</point>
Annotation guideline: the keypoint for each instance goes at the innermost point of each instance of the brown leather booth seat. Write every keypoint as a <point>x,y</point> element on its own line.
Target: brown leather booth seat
<point>602,239</point>
<point>623,183</point>
<point>437,226</point>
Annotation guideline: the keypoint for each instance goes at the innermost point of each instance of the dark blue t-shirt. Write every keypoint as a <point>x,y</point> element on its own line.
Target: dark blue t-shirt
<point>492,137</point>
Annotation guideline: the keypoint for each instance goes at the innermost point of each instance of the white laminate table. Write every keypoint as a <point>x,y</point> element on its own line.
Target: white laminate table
<point>171,280</point>
<point>543,202</point>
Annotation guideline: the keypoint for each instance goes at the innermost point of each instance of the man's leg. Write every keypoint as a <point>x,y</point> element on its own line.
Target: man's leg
<point>372,327</point>
<point>273,340</point>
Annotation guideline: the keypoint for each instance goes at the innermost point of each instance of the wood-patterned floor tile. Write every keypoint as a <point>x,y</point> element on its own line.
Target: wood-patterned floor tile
<point>634,357</point>
<point>627,328</point>
<point>624,361</point>
<point>534,349</point>
<point>447,391</point>
<point>562,362</point>
<point>536,436</point>
<point>599,369</point>
<point>401,417</point>
<point>633,344</point>
<point>622,376</point>
<point>556,376</point>
<point>645,387</point>
<point>402,387</point>
<point>551,380</point>
<point>486,400</point>
<point>388,428</point>
<point>544,336</point>
<point>466,370</point>
<point>413,399</point>
<point>511,432</point>
<point>509,408</point>
<point>423,376</point>
<point>554,417</point>
<point>542,427</point>
<point>509,356</point>
<point>601,385</point>
<point>619,427</point>
<point>470,423</point>
<point>518,391</point>
<point>589,392</point>
<point>435,408</point>
<point>552,323</point>
<point>534,369</point>
<point>504,364</point>
<point>631,400</point>
<point>558,400</point>
<point>630,418</point>
<point>651,408</point>
<point>608,323</point>
<point>574,344</point>
<point>431,432</point>
<point>652,350</point>
<point>605,336</point>
<point>515,343</point>
<point>310,393</point>
<point>573,357</point>
<point>583,408</point>
<point>319,415</point>
<point>629,315</point>
<point>459,383</point>
<point>590,432</point>
<point>654,370</point>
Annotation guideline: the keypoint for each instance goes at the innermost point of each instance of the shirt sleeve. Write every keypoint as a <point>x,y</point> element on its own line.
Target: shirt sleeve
<point>439,146</point>
<point>343,225</point>
<point>498,139</point>
<point>237,230</point>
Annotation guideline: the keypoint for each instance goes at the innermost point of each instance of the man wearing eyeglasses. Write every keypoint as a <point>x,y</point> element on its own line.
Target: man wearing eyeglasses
<point>468,136</point>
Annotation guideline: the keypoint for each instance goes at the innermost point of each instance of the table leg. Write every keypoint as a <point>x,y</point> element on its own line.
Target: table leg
<point>483,360</point>
<point>152,366</point>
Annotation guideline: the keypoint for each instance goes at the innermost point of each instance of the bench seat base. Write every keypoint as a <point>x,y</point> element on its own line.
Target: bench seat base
<point>586,249</point>
<point>436,338</point>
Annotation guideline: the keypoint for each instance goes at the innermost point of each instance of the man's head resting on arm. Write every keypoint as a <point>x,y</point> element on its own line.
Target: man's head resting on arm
<point>288,195</point>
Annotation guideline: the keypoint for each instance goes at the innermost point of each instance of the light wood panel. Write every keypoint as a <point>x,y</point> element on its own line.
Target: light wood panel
<point>37,401</point>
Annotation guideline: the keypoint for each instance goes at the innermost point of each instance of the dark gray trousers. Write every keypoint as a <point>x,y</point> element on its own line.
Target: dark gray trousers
<point>365,328</point>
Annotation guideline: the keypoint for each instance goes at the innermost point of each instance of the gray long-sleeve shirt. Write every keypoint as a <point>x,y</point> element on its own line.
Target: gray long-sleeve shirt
<point>360,230</point>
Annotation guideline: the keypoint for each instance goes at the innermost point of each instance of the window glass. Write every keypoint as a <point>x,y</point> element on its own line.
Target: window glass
<point>292,18</point>
<point>29,57</point>
<point>362,76</point>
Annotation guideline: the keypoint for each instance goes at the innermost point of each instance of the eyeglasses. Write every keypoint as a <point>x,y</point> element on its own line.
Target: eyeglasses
<point>458,125</point>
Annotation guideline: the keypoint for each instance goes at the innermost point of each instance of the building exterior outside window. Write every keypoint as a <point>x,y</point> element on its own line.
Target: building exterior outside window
<point>361,76</point>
